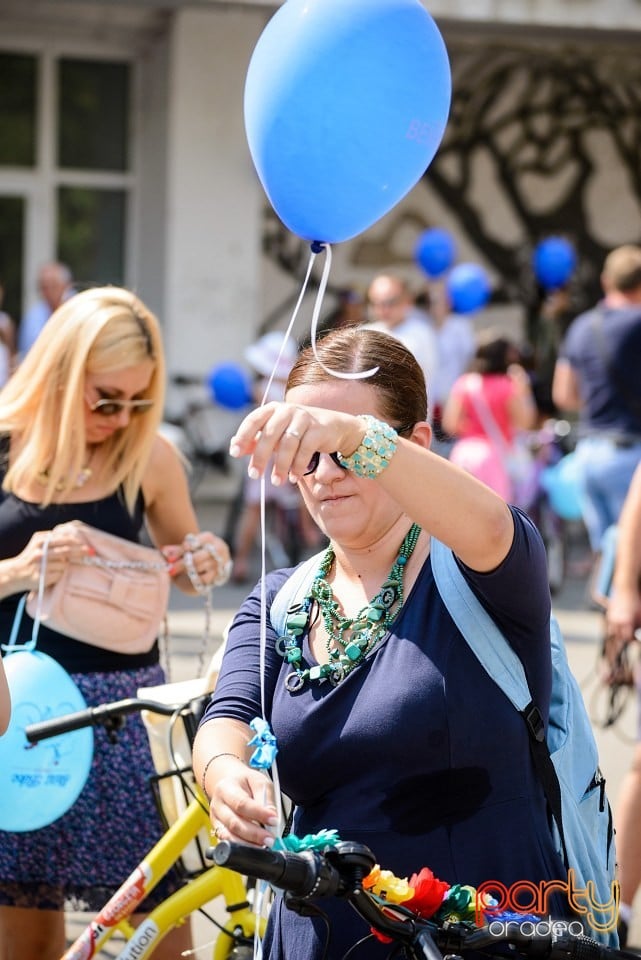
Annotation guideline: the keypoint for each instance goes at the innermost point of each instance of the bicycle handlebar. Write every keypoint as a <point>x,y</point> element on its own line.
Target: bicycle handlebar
<point>95,716</point>
<point>340,870</point>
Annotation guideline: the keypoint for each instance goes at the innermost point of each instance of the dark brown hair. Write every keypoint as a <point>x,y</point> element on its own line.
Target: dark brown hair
<point>493,354</point>
<point>399,380</point>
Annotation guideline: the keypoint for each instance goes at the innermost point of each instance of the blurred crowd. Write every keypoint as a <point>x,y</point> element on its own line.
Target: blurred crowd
<point>491,399</point>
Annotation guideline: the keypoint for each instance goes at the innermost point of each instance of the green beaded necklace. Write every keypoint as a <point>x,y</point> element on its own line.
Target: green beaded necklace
<point>349,640</point>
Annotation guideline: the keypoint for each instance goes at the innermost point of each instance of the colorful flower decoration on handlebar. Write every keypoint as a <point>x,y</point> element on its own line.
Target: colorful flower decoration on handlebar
<point>433,899</point>
<point>423,894</point>
<point>426,895</point>
<point>265,742</point>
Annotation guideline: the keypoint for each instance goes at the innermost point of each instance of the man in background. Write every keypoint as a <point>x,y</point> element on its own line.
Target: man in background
<point>597,374</point>
<point>392,310</point>
<point>54,286</point>
<point>456,343</point>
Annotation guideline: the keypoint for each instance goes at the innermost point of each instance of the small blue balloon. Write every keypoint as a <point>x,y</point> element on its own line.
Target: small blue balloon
<point>468,287</point>
<point>561,483</point>
<point>40,782</point>
<point>554,260</point>
<point>346,103</point>
<point>230,386</point>
<point>435,251</point>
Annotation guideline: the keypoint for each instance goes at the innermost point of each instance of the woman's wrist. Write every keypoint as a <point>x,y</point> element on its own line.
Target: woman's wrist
<point>210,763</point>
<point>375,451</point>
<point>10,579</point>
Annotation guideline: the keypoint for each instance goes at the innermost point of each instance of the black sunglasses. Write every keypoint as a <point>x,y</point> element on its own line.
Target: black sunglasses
<point>312,466</point>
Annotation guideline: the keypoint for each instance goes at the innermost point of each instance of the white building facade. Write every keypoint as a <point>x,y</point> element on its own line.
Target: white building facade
<point>123,152</point>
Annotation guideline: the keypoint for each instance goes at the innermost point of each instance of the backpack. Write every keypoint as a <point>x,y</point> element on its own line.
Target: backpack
<point>566,760</point>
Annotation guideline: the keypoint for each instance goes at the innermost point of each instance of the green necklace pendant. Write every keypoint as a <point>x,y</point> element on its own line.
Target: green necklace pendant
<point>349,640</point>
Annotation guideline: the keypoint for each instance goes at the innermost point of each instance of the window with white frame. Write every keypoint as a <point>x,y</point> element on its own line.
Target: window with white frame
<point>65,149</point>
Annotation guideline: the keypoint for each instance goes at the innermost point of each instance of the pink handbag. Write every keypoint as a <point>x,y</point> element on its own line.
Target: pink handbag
<point>116,599</point>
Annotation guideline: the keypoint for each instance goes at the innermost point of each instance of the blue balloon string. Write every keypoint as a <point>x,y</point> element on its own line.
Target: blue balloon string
<point>315,316</point>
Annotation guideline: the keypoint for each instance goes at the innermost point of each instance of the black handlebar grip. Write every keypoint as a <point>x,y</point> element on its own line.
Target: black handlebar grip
<point>301,874</point>
<point>57,725</point>
<point>105,714</point>
<point>580,948</point>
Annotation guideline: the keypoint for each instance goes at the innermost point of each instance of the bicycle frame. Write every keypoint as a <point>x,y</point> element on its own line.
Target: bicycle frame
<point>214,882</point>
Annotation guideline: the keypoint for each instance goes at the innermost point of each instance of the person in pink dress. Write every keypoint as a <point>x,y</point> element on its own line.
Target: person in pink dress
<point>487,408</point>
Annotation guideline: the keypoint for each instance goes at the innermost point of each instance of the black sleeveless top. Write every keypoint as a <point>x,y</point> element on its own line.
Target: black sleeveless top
<point>19,520</point>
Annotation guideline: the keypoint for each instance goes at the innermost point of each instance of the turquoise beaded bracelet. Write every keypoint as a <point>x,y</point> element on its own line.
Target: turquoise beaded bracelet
<point>375,450</point>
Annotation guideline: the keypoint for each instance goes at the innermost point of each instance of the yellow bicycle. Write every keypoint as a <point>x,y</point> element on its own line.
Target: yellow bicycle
<point>204,884</point>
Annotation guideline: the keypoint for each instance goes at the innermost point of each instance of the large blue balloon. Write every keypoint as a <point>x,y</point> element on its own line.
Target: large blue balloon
<point>435,251</point>
<point>40,782</point>
<point>230,386</point>
<point>554,261</point>
<point>346,102</point>
<point>468,287</point>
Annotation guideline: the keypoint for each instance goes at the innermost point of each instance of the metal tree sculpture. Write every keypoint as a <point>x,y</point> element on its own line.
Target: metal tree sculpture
<point>532,116</point>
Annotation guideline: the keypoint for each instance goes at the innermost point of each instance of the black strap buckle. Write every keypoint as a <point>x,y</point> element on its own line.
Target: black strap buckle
<point>535,723</point>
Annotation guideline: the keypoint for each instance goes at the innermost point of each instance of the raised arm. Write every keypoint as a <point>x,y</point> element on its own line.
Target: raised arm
<point>443,499</point>
<point>565,387</point>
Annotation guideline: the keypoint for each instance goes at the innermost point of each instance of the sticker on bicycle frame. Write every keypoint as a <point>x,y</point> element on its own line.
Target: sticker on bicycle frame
<point>127,897</point>
<point>144,937</point>
<point>85,946</point>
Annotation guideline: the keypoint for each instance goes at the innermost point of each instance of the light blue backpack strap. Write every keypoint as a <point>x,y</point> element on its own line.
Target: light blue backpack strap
<point>478,628</point>
<point>294,588</point>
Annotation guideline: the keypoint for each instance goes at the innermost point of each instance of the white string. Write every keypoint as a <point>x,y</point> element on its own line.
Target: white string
<point>261,892</point>
<point>263,539</point>
<point>263,595</point>
<point>290,327</point>
<point>322,287</point>
<point>41,591</point>
<point>315,316</point>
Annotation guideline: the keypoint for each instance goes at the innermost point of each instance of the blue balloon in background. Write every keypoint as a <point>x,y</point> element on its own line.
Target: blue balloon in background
<point>230,386</point>
<point>435,251</point>
<point>468,287</point>
<point>554,261</point>
<point>346,103</point>
<point>40,782</point>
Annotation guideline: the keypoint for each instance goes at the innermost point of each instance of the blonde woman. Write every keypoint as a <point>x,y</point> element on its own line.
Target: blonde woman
<point>79,441</point>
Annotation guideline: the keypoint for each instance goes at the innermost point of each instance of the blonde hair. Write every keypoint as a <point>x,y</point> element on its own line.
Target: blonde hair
<point>622,269</point>
<point>97,331</point>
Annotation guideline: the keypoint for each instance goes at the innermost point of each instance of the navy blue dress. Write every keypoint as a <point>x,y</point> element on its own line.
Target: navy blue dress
<point>416,753</point>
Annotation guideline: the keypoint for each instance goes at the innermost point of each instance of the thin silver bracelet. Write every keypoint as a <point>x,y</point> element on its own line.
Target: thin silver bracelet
<point>216,756</point>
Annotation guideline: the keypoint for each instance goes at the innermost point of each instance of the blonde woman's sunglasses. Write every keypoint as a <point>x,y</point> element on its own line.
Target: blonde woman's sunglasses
<point>111,408</point>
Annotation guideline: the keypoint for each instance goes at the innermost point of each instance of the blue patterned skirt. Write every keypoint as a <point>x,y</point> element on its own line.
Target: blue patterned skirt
<point>80,860</point>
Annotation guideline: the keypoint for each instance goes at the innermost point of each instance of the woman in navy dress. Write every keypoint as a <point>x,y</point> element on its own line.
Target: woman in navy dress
<point>388,728</point>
